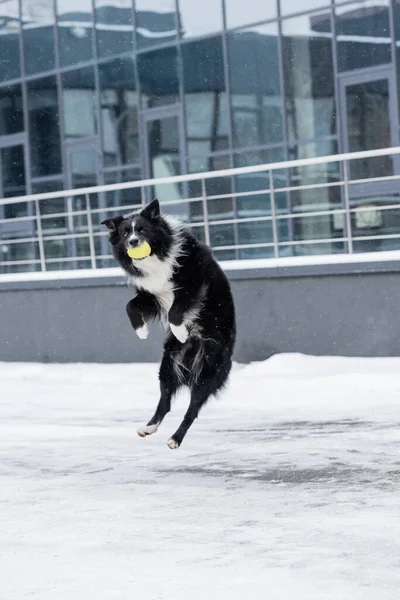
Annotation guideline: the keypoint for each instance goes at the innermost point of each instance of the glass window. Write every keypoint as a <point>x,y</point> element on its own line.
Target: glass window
<point>368,105</point>
<point>78,93</point>
<point>130,198</point>
<point>10,67</point>
<point>291,7</point>
<point>44,127</point>
<point>255,86</point>
<point>363,35</point>
<point>11,113</point>
<point>253,11</point>
<point>205,96</point>
<point>199,18</point>
<point>38,34</point>
<point>75,32</point>
<point>328,173</point>
<point>114,31</point>
<point>12,180</point>
<point>257,205</point>
<point>158,76</point>
<point>51,206</point>
<point>118,109</point>
<point>309,79</point>
<point>155,22</point>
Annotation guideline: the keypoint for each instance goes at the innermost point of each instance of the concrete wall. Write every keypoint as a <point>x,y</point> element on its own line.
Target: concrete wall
<point>337,311</point>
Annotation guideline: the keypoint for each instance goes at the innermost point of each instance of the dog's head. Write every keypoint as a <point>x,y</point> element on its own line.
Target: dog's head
<point>131,231</point>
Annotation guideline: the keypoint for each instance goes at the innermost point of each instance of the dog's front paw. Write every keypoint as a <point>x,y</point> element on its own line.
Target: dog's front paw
<point>180,332</point>
<point>143,331</point>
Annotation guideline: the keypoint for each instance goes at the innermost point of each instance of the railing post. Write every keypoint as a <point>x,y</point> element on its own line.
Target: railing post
<point>143,196</point>
<point>205,213</point>
<point>273,214</point>
<point>90,231</point>
<point>347,207</point>
<point>40,236</point>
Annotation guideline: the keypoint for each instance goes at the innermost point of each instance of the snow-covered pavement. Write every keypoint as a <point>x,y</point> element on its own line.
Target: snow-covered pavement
<point>287,487</point>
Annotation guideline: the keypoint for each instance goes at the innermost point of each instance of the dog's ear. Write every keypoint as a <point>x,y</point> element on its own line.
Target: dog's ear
<point>112,223</point>
<point>152,210</point>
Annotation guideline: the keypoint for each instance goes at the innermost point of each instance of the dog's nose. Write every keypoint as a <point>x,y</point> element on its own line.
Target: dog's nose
<point>133,243</point>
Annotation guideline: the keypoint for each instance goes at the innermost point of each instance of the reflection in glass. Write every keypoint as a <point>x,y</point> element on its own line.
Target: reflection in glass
<point>255,86</point>
<point>114,31</point>
<point>363,35</point>
<point>155,22</point>
<point>11,113</point>
<point>309,78</point>
<point>83,169</point>
<point>78,93</point>
<point>44,130</point>
<point>9,40</point>
<point>75,31</point>
<point>368,127</point>
<point>239,13</point>
<point>163,143</point>
<point>118,110</point>
<point>205,96</point>
<point>290,7</point>
<point>199,18</point>
<point>38,20</point>
<point>158,76</point>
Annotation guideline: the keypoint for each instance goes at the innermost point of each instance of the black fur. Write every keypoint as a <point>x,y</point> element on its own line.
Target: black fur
<point>200,290</point>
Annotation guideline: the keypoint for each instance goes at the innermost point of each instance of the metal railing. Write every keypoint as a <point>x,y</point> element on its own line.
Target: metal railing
<point>333,205</point>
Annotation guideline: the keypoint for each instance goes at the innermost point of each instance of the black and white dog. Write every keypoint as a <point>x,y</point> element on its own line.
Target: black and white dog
<point>180,283</point>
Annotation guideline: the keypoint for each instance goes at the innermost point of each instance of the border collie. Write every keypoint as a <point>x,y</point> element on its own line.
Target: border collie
<point>181,284</point>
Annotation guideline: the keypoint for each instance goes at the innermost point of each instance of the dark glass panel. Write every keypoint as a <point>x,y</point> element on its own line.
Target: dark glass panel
<point>118,106</point>
<point>155,22</point>
<point>309,78</point>
<point>163,143</point>
<point>363,35</point>
<point>255,86</point>
<point>158,76</point>
<point>10,67</point>
<point>78,93</point>
<point>75,32</point>
<point>205,96</point>
<point>44,127</point>
<point>239,13</point>
<point>199,18</point>
<point>114,30</point>
<point>11,112</point>
<point>38,20</point>
<point>368,127</point>
<point>12,168</point>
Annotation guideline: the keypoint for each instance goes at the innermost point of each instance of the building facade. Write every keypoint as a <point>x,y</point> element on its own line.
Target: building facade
<point>106,91</point>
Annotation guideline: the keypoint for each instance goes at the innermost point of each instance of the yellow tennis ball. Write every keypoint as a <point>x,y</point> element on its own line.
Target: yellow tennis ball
<point>141,251</point>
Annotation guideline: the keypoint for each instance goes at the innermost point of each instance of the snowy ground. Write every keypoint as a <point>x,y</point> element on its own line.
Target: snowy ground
<point>287,488</point>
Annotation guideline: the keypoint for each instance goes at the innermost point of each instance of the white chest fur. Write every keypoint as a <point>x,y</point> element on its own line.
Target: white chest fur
<point>156,280</point>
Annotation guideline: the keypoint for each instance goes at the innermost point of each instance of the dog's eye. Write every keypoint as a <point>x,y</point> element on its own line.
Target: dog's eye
<point>139,229</point>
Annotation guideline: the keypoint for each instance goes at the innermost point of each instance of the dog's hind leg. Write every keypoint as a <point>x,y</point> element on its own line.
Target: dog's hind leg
<point>169,384</point>
<point>211,380</point>
<point>199,397</point>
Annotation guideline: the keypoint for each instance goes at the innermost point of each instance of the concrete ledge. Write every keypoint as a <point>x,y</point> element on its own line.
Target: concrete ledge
<point>117,279</point>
